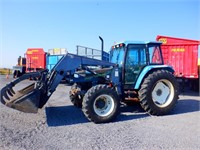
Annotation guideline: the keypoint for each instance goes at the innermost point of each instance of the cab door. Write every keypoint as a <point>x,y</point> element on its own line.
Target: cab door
<point>135,61</point>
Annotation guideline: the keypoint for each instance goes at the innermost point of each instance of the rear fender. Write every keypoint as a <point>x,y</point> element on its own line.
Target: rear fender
<point>148,69</point>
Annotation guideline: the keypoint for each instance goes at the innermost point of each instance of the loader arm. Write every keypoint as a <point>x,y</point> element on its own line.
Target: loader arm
<point>35,96</point>
<point>71,62</point>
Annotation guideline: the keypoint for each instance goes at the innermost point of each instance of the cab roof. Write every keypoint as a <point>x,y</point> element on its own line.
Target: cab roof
<point>138,42</point>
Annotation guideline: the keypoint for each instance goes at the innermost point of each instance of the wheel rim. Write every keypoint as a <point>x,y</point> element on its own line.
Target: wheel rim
<point>163,93</point>
<point>103,105</point>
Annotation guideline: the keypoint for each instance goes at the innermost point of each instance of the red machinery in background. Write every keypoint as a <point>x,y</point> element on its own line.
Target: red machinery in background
<point>182,55</point>
<point>34,60</point>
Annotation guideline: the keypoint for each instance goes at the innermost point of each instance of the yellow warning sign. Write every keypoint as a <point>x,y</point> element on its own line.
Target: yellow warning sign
<point>35,51</point>
<point>35,57</point>
<point>163,40</point>
<point>177,49</point>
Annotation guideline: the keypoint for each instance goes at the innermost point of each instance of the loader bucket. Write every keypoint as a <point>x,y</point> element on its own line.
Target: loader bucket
<point>25,100</point>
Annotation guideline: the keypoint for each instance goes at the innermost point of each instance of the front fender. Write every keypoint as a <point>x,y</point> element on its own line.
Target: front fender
<point>147,69</point>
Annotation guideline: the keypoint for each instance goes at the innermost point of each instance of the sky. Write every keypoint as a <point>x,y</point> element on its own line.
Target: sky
<point>66,23</point>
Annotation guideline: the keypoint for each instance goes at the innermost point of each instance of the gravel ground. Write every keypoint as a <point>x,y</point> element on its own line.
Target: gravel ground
<point>61,126</point>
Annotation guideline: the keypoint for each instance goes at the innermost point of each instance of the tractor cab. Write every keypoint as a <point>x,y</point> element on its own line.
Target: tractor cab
<point>132,57</point>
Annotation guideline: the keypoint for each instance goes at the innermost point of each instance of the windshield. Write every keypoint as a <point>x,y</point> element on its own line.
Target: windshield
<point>136,55</point>
<point>117,56</point>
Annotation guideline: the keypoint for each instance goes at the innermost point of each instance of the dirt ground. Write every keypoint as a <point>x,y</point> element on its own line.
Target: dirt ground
<point>61,126</point>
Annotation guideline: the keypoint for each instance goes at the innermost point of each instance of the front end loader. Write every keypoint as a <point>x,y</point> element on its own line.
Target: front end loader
<point>35,96</point>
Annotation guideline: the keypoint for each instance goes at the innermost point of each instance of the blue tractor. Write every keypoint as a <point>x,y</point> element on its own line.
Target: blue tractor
<point>135,72</point>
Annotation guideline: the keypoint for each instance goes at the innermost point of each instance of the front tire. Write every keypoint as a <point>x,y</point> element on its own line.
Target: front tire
<point>101,104</point>
<point>75,95</point>
<point>159,93</point>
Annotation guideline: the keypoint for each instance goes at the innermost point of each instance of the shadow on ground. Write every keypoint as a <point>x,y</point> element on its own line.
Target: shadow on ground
<point>130,112</point>
<point>70,115</point>
<point>186,106</point>
<point>64,115</point>
<point>189,93</point>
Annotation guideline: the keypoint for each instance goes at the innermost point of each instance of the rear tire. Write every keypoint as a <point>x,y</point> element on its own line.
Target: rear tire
<point>101,104</point>
<point>159,93</point>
